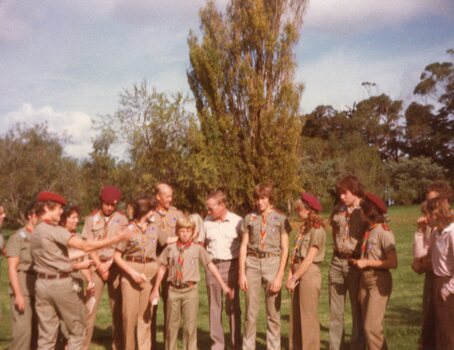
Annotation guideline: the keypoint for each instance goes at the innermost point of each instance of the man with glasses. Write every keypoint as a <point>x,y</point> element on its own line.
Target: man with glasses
<point>223,240</point>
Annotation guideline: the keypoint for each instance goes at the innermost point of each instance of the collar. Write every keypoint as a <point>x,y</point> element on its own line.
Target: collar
<point>181,245</point>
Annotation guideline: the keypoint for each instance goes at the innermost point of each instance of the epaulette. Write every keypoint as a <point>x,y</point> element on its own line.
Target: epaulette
<point>93,212</point>
<point>385,227</point>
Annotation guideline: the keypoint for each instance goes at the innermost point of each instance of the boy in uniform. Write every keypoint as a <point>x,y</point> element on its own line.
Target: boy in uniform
<point>348,230</point>
<point>101,223</point>
<point>263,256</point>
<point>182,259</point>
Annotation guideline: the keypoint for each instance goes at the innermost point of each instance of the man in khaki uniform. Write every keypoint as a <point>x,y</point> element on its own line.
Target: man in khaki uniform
<point>165,218</point>
<point>56,300</point>
<point>348,230</point>
<point>263,256</point>
<point>106,222</point>
<point>22,280</point>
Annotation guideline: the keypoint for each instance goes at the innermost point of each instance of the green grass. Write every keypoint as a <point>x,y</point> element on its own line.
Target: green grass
<point>402,321</point>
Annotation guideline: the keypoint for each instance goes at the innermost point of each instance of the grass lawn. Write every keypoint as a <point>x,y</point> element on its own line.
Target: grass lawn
<point>402,321</point>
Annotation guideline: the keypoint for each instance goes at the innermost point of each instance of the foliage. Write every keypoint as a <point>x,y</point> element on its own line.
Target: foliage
<point>242,77</point>
<point>409,178</point>
<point>32,160</point>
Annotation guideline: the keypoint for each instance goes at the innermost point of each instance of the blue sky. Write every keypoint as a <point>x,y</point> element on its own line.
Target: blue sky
<point>66,61</point>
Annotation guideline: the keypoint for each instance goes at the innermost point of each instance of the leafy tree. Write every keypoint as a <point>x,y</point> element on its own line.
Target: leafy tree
<point>32,160</point>
<point>242,77</point>
<point>409,178</point>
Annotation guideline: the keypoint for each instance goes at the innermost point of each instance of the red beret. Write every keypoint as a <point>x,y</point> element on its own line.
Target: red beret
<point>110,194</point>
<point>311,201</point>
<point>377,201</point>
<point>51,197</point>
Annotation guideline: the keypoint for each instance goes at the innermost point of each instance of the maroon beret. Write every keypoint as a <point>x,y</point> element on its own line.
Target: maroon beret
<point>51,197</point>
<point>377,201</point>
<point>311,201</point>
<point>110,194</point>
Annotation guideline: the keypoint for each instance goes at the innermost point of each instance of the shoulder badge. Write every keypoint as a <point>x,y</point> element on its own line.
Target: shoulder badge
<point>22,234</point>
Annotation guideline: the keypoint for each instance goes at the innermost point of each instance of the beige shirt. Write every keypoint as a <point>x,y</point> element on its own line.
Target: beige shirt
<point>193,255</point>
<point>97,227</point>
<point>48,244</point>
<point>141,243</point>
<point>223,238</point>
<point>315,237</point>
<point>381,241</point>
<point>166,222</point>
<point>19,246</point>
<point>348,230</point>
<point>277,224</point>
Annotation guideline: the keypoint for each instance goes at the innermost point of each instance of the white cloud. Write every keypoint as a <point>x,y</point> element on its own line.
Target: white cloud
<point>359,15</point>
<point>335,78</point>
<point>75,124</point>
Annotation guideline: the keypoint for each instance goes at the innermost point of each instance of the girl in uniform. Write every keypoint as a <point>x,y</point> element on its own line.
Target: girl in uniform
<point>137,259</point>
<point>22,280</point>
<point>304,279</point>
<point>378,255</point>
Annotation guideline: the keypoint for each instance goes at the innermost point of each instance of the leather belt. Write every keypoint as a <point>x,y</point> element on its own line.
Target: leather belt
<point>340,255</point>
<point>298,260</point>
<point>139,259</point>
<point>217,261</point>
<point>183,285</point>
<point>262,255</point>
<point>50,276</point>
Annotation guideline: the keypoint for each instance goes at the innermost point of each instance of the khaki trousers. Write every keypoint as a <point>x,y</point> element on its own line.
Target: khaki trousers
<point>182,303</point>
<point>304,322</point>
<point>444,315</point>
<point>24,325</point>
<point>229,273</point>
<point>344,279</point>
<point>114,289</point>
<point>55,300</point>
<point>260,273</point>
<point>375,291</point>
<point>136,305</point>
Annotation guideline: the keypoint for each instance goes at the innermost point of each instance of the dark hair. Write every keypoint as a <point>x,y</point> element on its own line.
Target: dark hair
<point>68,210</point>
<point>442,188</point>
<point>371,212</point>
<point>141,206</point>
<point>350,183</point>
<point>264,189</point>
<point>40,206</point>
<point>30,210</point>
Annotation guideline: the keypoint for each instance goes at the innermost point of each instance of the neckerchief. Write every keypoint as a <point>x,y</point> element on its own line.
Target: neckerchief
<point>263,230</point>
<point>298,241</point>
<point>106,222</point>
<point>143,237</point>
<point>365,240</point>
<point>180,261</point>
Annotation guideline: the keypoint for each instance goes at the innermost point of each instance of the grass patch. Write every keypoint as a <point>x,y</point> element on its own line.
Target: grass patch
<point>402,321</point>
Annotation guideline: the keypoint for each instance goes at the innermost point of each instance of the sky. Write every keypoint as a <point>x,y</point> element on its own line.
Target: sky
<point>65,62</point>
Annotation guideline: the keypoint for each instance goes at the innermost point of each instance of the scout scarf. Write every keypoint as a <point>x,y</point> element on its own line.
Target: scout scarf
<point>143,237</point>
<point>180,261</point>
<point>366,240</point>
<point>298,241</point>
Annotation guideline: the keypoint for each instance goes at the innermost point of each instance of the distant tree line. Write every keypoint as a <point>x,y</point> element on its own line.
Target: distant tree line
<point>247,128</point>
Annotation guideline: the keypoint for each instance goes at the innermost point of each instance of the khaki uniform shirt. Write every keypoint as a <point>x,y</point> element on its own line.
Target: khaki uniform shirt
<point>348,230</point>
<point>193,254</point>
<point>315,237</point>
<point>141,244</point>
<point>48,244</point>
<point>277,224</point>
<point>381,241</point>
<point>166,222</point>
<point>19,246</point>
<point>97,227</point>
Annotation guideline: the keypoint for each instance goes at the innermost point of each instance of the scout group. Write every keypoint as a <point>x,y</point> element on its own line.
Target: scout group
<point>151,256</point>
